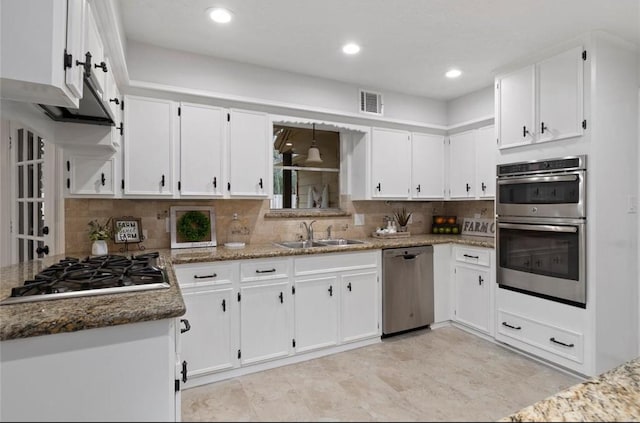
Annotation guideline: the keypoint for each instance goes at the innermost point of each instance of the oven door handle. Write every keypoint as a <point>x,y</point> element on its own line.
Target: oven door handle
<point>538,228</point>
<point>530,179</point>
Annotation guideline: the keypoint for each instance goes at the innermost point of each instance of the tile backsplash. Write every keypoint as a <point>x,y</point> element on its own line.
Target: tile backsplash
<point>154,215</point>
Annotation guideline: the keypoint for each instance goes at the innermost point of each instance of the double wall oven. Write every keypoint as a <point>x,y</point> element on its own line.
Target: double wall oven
<point>541,216</point>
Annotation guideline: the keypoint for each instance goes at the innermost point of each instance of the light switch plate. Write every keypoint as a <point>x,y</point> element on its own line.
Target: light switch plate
<point>358,219</point>
<point>632,204</point>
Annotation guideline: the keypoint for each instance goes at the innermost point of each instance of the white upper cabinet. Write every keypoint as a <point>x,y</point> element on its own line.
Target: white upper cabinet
<point>249,154</point>
<point>40,43</point>
<point>462,165</point>
<point>390,163</point>
<point>541,102</point>
<point>94,47</point>
<point>427,166</point>
<point>150,133</point>
<point>486,151</point>
<point>202,136</point>
<point>560,82</point>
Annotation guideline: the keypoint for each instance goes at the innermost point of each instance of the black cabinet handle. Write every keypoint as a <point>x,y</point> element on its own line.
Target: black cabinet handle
<point>483,186</point>
<point>86,64</point>
<point>114,100</point>
<point>378,187</point>
<point>418,188</point>
<point>510,326</point>
<point>102,179</point>
<point>215,182</point>
<point>330,290</point>
<point>162,181</point>
<point>475,257</point>
<point>349,286</point>
<point>265,271</point>
<point>542,127</point>
<point>228,186</point>
<point>187,326</point>
<point>480,280</point>
<point>468,187</point>
<point>524,131</point>
<point>554,340</point>
<point>121,128</point>
<point>224,305</point>
<point>102,66</point>
<point>184,371</point>
<point>281,296</point>
<point>260,183</point>
<point>213,275</point>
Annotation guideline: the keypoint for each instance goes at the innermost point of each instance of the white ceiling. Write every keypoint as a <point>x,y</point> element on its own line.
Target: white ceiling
<point>407,45</point>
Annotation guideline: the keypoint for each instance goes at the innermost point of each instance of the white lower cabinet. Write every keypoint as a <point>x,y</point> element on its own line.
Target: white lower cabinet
<point>249,314</point>
<point>547,329</point>
<point>473,285</point>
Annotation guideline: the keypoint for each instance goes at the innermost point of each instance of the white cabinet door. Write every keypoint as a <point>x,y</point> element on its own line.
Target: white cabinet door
<point>390,163</point>
<point>316,312</point>
<point>462,165</point>
<point>76,17</point>
<point>264,322</point>
<point>150,132</point>
<point>211,343</point>
<point>94,46</point>
<point>359,305</point>
<point>472,297</point>
<point>560,82</point>
<point>202,133</point>
<point>91,175</point>
<point>486,151</point>
<point>112,95</point>
<point>515,107</point>
<point>249,154</point>
<point>427,166</point>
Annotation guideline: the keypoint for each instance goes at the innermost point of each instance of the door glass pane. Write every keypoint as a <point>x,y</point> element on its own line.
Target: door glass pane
<point>30,207</point>
<point>30,146</point>
<point>20,181</point>
<point>30,181</point>
<point>20,249</point>
<point>40,148</point>
<point>20,144</point>
<point>21,218</point>
<point>30,250</point>
<point>40,184</point>
<point>40,217</point>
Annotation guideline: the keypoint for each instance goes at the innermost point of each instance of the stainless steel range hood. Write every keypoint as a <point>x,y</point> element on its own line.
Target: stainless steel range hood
<point>91,109</point>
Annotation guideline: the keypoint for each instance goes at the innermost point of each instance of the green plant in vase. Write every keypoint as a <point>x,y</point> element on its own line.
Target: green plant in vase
<point>402,217</point>
<point>99,233</point>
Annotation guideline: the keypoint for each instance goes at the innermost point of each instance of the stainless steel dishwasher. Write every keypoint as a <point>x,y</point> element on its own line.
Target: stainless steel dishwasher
<point>407,289</point>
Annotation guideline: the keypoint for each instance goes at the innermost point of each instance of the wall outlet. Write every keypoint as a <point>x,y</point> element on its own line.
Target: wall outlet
<point>167,227</point>
<point>358,219</point>
<point>145,234</point>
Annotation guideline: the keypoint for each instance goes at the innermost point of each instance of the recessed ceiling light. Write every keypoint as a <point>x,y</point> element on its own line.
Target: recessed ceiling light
<point>288,144</point>
<point>453,73</point>
<point>351,48</point>
<point>219,15</point>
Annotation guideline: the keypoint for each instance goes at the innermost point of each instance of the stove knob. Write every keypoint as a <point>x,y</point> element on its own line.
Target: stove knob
<point>41,250</point>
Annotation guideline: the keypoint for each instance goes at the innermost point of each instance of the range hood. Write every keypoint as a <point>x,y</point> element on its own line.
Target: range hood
<point>91,108</point>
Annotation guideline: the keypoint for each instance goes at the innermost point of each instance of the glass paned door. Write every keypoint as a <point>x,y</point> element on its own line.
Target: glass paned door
<point>33,206</point>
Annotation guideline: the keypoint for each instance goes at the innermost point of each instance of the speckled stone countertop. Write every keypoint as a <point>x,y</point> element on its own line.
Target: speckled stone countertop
<point>36,318</point>
<point>614,396</point>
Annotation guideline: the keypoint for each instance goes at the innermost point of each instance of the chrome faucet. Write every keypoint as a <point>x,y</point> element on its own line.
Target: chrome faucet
<point>309,229</point>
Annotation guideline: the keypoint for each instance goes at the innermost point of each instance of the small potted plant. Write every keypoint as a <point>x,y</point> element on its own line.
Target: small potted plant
<point>99,233</point>
<point>402,217</point>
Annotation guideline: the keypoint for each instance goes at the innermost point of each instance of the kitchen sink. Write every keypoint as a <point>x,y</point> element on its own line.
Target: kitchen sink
<point>339,241</point>
<point>300,244</point>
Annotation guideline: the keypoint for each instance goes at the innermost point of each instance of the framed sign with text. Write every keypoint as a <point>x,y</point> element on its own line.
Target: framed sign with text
<point>127,229</point>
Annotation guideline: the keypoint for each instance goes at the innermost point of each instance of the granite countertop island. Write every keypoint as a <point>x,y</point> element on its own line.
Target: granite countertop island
<point>612,396</point>
<point>22,320</point>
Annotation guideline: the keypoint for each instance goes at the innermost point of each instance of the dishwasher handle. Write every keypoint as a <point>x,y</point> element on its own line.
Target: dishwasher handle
<point>409,256</point>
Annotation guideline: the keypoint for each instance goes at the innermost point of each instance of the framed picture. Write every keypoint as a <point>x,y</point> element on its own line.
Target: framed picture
<point>193,226</point>
<point>127,229</point>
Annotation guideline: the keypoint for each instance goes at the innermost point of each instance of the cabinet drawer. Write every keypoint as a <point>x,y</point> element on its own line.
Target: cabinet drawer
<point>481,257</point>
<point>323,263</point>
<point>204,273</point>
<point>252,270</point>
<point>556,340</point>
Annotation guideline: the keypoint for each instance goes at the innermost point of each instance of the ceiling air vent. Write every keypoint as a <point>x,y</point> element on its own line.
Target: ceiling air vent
<point>370,102</point>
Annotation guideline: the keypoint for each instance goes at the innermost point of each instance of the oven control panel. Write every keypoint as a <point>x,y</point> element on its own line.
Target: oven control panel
<point>539,166</point>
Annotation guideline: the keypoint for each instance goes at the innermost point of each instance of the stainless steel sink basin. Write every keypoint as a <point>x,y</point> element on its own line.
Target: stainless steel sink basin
<point>300,244</point>
<point>339,241</point>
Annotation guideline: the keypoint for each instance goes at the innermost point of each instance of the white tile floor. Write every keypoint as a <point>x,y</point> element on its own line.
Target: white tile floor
<point>445,374</point>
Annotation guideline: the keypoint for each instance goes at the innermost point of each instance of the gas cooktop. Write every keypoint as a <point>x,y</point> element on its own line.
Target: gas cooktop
<point>93,275</point>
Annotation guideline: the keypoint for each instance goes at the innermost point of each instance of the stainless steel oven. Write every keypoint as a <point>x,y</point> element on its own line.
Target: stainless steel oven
<point>541,228</point>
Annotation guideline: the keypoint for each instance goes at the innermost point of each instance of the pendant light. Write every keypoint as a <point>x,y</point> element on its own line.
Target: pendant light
<point>313,156</point>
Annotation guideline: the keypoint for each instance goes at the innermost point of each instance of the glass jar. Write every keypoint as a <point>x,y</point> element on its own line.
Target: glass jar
<point>234,231</point>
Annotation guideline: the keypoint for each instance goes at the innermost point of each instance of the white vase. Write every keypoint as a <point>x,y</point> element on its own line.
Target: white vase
<point>99,247</point>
